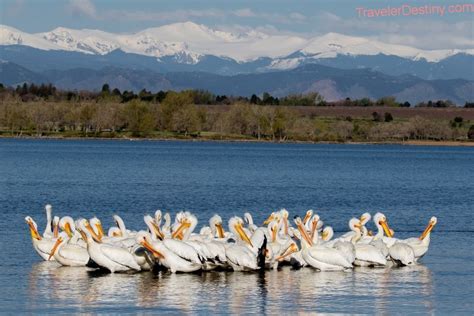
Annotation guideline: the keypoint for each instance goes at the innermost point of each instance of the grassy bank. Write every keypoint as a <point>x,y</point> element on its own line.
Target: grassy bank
<point>176,117</point>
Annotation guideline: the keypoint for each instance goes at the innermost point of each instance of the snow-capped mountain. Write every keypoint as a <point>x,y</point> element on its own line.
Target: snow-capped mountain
<point>189,42</point>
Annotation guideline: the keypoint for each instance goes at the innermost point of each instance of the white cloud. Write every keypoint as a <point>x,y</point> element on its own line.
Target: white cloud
<point>245,13</point>
<point>422,33</point>
<point>85,7</point>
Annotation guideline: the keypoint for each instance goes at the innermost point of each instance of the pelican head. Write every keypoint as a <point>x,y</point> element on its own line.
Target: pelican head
<point>143,238</point>
<point>284,213</point>
<point>270,218</point>
<point>381,220</point>
<point>183,223</point>
<point>62,236</point>
<point>67,224</point>
<point>365,218</point>
<point>152,226</point>
<point>273,230</point>
<point>304,235</point>
<point>158,217</point>
<point>97,225</point>
<point>248,218</point>
<point>49,209</point>
<point>216,222</point>
<point>354,224</point>
<point>327,233</point>
<point>314,224</point>
<point>119,222</point>
<point>84,229</point>
<point>33,228</point>
<point>292,248</point>
<point>307,217</point>
<point>114,232</point>
<point>429,228</point>
<point>236,225</point>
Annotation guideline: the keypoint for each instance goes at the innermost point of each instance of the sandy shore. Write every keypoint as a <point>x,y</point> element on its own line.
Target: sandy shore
<point>203,139</point>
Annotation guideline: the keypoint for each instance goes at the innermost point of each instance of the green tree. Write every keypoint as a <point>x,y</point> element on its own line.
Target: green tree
<point>173,102</point>
<point>138,118</point>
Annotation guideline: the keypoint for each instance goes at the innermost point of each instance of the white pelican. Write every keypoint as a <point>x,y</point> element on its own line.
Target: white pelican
<point>246,254</point>
<point>175,261</point>
<point>112,258</point>
<point>67,225</point>
<point>215,223</point>
<point>48,232</point>
<point>400,253</point>
<point>320,257</point>
<point>346,247</point>
<point>42,245</point>
<point>249,221</point>
<point>365,254</point>
<point>69,254</point>
<point>364,218</point>
<point>421,244</point>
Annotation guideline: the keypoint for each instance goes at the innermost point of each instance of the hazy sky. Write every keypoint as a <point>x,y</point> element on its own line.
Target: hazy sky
<point>429,27</point>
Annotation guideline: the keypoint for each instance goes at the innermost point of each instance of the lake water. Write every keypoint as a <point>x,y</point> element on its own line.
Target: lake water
<point>94,177</point>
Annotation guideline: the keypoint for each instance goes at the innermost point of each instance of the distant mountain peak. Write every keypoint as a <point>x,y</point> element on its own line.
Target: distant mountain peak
<point>197,40</point>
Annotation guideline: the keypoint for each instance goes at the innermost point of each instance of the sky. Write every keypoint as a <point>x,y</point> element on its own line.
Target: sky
<point>419,23</point>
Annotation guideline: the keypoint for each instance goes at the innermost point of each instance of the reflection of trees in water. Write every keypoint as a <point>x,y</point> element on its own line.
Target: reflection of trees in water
<point>360,291</point>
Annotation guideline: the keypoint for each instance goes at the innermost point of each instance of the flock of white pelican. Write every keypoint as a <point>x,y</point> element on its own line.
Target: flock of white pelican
<point>245,247</point>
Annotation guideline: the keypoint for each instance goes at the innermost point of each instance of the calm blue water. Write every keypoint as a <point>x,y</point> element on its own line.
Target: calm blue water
<point>85,178</point>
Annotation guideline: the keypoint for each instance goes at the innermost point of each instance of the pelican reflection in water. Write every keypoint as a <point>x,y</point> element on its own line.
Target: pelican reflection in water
<point>234,292</point>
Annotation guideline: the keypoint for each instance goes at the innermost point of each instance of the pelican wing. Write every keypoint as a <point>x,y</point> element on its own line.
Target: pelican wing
<point>120,256</point>
<point>183,250</point>
<point>45,246</point>
<point>369,253</point>
<point>329,256</point>
<point>76,253</point>
<point>241,256</point>
<point>402,253</point>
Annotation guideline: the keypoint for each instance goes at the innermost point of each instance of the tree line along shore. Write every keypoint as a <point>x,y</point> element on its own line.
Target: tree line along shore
<point>44,111</point>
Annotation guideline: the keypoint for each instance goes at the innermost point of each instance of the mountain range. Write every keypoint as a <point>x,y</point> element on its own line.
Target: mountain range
<point>190,55</point>
<point>332,83</point>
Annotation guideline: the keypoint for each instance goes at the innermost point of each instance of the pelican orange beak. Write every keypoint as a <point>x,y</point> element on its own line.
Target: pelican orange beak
<point>148,246</point>
<point>55,247</point>
<point>362,219</point>
<point>314,225</point>
<point>33,230</point>
<point>55,230</point>
<point>117,234</point>
<point>370,233</point>
<point>288,251</point>
<point>269,219</point>
<point>285,223</point>
<point>68,230</point>
<point>94,235</point>
<point>386,229</point>
<point>220,230</point>
<point>242,234</point>
<point>157,230</point>
<point>307,217</point>
<point>304,234</point>
<point>359,225</point>
<point>83,235</point>
<point>100,230</point>
<point>181,228</point>
<point>324,235</point>
<point>427,230</point>
<point>274,234</point>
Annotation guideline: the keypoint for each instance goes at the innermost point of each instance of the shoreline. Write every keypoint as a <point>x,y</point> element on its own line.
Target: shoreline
<point>232,140</point>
